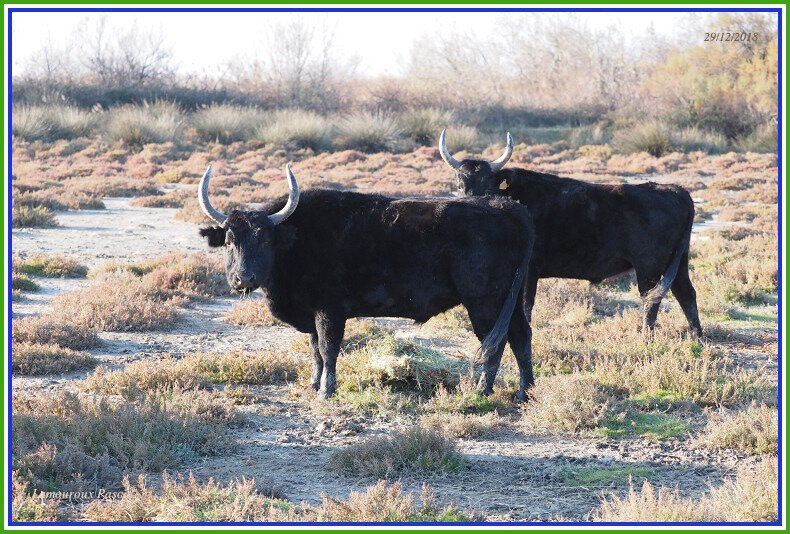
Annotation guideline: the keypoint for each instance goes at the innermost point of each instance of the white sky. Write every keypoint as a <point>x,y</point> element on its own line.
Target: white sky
<point>381,41</point>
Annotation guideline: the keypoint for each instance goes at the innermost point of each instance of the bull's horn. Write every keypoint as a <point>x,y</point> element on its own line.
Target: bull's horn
<point>446,156</point>
<point>498,164</point>
<point>205,205</point>
<point>293,198</point>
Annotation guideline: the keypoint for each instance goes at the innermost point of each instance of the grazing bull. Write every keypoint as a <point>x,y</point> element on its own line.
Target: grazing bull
<point>592,232</point>
<point>344,254</point>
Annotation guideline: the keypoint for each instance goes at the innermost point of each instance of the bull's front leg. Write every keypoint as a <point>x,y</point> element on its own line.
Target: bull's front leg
<point>329,328</point>
<point>318,362</point>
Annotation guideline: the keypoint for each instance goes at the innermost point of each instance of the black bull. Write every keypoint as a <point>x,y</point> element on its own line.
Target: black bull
<point>345,254</point>
<point>595,231</point>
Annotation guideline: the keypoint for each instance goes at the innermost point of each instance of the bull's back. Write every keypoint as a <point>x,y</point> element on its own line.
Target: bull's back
<point>382,256</point>
<point>593,231</point>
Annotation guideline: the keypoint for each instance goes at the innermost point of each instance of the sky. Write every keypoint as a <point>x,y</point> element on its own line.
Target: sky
<point>381,42</point>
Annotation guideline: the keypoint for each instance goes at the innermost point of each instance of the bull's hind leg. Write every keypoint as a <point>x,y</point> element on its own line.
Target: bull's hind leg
<point>483,316</point>
<point>318,363</point>
<point>329,327</point>
<point>520,338</point>
<point>687,296</point>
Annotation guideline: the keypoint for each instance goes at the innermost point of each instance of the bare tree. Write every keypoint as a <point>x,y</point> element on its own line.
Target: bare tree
<point>116,56</point>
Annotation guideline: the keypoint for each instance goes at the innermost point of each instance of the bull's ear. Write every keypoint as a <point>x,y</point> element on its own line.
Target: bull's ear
<point>215,235</point>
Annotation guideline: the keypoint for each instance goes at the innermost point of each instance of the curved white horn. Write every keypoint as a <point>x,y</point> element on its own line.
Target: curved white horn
<point>446,156</point>
<point>498,164</point>
<point>293,198</point>
<point>216,216</point>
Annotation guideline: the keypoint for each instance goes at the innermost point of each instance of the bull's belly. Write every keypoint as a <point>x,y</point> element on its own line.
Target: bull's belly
<point>592,271</point>
<point>419,303</point>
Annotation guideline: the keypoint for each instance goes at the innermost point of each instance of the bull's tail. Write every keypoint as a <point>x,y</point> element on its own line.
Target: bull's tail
<point>660,290</point>
<point>500,329</point>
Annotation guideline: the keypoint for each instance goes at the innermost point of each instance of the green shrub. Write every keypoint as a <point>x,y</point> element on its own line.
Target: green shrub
<point>33,217</point>
<point>295,128</point>
<point>135,126</point>
<point>424,124</point>
<point>226,123</point>
<point>368,132</point>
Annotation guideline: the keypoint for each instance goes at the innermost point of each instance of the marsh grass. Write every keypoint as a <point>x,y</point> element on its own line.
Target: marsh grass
<point>120,302</point>
<point>50,266</point>
<point>135,126</point>
<point>33,217</point>
<point>20,282</point>
<point>72,442</point>
<point>193,371</point>
<point>753,430</point>
<point>294,129</point>
<point>47,359</point>
<point>751,496</point>
<point>226,123</point>
<point>252,312</point>
<point>416,450</point>
<point>185,499</point>
<point>369,132</point>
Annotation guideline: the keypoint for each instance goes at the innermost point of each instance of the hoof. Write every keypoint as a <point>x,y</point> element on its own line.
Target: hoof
<point>485,391</point>
<point>520,397</point>
<point>316,385</point>
<point>326,393</point>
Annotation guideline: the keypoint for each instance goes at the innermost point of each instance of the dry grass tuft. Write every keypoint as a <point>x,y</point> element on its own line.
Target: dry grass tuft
<point>121,302</point>
<point>33,217</point>
<point>175,274</point>
<point>387,503</point>
<point>50,266</point>
<point>413,450</point>
<point>374,356</point>
<point>565,404</point>
<point>68,442</point>
<point>20,282</point>
<point>41,359</point>
<point>252,312</point>
<point>461,425</point>
<point>754,430</point>
<point>47,331</point>
<point>193,371</point>
<point>188,500</point>
<point>752,496</point>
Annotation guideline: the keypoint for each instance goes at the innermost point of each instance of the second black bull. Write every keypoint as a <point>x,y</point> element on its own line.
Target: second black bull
<point>596,231</point>
<point>344,254</point>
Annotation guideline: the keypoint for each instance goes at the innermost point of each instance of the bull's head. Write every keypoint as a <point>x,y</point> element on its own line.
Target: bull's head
<point>474,176</point>
<point>248,236</point>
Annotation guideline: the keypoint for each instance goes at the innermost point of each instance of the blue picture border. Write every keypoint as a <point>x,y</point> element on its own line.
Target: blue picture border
<point>459,9</point>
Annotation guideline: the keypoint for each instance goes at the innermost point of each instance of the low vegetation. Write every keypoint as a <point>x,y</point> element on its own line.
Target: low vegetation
<point>409,451</point>
<point>32,217</point>
<point>187,500</point>
<point>48,331</point>
<point>252,312</point>
<point>120,302</point>
<point>753,430</point>
<point>50,266</point>
<point>193,371</point>
<point>20,282</point>
<point>751,496</point>
<point>65,441</point>
<point>565,404</point>
<point>47,359</point>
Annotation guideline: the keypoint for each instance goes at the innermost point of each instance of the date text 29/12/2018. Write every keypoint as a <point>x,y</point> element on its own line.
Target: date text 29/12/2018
<point>732,36</point>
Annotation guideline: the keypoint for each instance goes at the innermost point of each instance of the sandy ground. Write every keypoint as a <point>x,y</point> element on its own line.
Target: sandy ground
<point>507,475</point>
